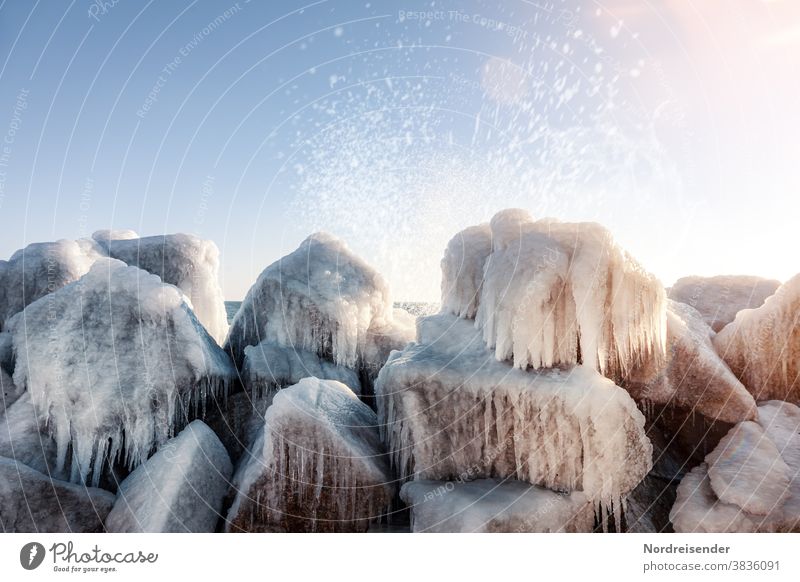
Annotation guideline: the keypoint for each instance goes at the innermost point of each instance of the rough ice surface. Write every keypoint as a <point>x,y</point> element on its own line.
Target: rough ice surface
<point>124,364</point>
<point>9,392</point>
<point>449,411</point>
<point>494,505</point>
<point>719,299</point>
<point>318,465</point>
<point>179,489</point>
<point>762,346</point>
<point>322,299</point>
<point>743,470</point>
<point>554,293</point>
<point>24,438</point>
<point>39,269</point>
<point>269,366</point>
<point>184,260</point>
<point>31,502</point>
<point>695,376</point>
<point>462,270</point>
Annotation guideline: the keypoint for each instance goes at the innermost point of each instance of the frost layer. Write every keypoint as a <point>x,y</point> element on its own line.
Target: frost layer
<point>762,346</point>
<point>39,269</point>
<point>492,505</point>
<point>322,299</point>
<point>763,490</point>
<point>32,502</point>
<point>695,377</point>
<point>179,489</point>
<point>719,299</point>
<point>449,410</point>
<point>556,293</point>
<point>318,465</point>
<point>121,366</point>
<point>186,261</point>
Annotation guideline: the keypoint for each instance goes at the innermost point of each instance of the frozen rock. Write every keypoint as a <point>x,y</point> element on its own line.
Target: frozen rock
<point>186,261</point>
<point>125,363</point>
<point>449,411</point>
<point>237,420</point>
<point>745,471</point>
<point>493,505</point>
<point>321,299</point>
<point>695,377</point>
<point>647,507</point>
<point>9,391</point>
<point>762,346</point>
<point>269,366</point>
<point>31,502</point>
<point>719,299</point>
<point>7,352</point>
<point>556,293</point>
<point>179,489</point>
<point>24,438</point>
<point>39,269</point>
<point>318,465</point>
<point>462,270</point>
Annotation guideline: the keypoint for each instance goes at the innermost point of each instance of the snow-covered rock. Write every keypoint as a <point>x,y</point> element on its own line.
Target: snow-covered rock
<point>184,260</point>
<point>762,346</point>
<point>695,377</point>
<point>493,505</point>
<point>317,465</point>
<point>719,299</point>
<point>39,269</point>
<point>31,502</point>
<point>123,364</point>
<point>322,299</point>
<point>269,366</point>
<point>555,293</point>
<point>750,482</point>
<point>450,411</point>
<point>179,489</point>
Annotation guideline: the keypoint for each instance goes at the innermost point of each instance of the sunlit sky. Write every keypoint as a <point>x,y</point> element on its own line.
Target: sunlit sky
<point>394,124</point>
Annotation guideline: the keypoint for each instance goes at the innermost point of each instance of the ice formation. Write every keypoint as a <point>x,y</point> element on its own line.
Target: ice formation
<point>695,377</point>
<point>123,364</point>
<point>493,505</point>
<point>719,299</point>
<point>39,269</point>
<point>317,465</point>
<point>448,410</point>
<point>322,299</point>
<point>9,392</point>
<point>186,261</point>
<point>750,482</point>
<point>31,502</point>
<point>555,293</point>
<point>179,489</point>
<point>24,438</point>
<point>762,346</point>
<point>268,367</point>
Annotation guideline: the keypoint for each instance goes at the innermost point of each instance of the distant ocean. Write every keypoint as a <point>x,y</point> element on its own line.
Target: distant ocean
<point>416,308</point>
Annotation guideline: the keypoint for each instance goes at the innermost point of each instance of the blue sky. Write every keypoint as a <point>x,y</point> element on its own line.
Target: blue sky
<point>395,124</point>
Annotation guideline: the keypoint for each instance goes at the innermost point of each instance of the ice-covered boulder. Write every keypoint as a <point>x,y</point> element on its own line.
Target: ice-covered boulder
<point>450,411</point>
<point>269,366</point>
<point>494,505</point>
<point>750,482</point>
<point>179,489</point>
<point>317,465</point>
<point>762,346</point>
<point>31,502</point>
<point>695,377</point>
<point>24,438</point>
<point>555,293</point>
<point>184,260</point>
<point>719,299</point>
<point>7,352</point>
<point>39,269</point>
<point>9,392</point>
<point>322,299</point>
<point>123,365</point>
